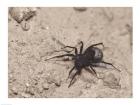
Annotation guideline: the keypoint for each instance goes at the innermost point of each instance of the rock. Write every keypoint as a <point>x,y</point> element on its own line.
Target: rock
<point>80,9</point>
<point>111,81</point>
<point>58,82</point>
<point>45,86</point>
<point>25,25</point>
<point>20,14</point>
<point>16,14</point>
<point>30,91</point>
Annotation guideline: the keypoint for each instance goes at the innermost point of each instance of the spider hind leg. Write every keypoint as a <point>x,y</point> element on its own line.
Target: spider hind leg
<point>70,72</point>
<point>111,65</point>
<point>72,82</point>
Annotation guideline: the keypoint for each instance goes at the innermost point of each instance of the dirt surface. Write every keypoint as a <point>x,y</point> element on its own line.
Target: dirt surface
<point>38,38</point>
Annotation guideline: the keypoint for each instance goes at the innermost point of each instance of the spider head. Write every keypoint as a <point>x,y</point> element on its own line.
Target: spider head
<point>81,61</point>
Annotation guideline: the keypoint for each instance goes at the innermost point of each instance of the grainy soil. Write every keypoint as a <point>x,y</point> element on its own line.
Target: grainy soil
<point>38,38</point>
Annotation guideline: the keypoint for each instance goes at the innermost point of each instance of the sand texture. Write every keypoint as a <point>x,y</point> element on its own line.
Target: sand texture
<point>43,31</point>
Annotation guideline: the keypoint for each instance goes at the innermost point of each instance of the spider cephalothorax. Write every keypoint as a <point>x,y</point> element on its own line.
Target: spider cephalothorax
<point>88,59</point>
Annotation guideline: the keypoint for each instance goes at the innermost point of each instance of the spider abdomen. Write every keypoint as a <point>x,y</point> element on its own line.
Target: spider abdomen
<point>94,54</point>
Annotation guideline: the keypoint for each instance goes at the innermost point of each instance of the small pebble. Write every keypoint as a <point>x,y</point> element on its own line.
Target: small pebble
<point>111,81</point>
<point>30,91</point>
<point>57,82</point>
<point>25,95</point>
<point>14,90</point>
<point>101,75</point>
<point>25,25</point>
<point>40,89</point>
<point>27,84</point>
<point>88,85</point>
<point>45,86</point>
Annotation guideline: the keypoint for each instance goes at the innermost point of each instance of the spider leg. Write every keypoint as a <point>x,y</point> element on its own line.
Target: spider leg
<point>89,70</point>
<point>81,48</point>
<point>71,82</point>
<point>111,65</point>
<point>59,56</point>
<point>93,70</point>
<point>65,60</point>
<point>96,45</point>
<point>63,49</point>
<point>71,71</point>
<point>76,52</point>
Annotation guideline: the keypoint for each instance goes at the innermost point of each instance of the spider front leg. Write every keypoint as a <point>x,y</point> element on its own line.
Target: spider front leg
<point>111,65</point>
<point>63,49</point>
<point>59,56</point>
<point>71,82</point>
<point>93,70</point>
<point>76,52</point>
<point>96,45</point>
<point>70,72</point>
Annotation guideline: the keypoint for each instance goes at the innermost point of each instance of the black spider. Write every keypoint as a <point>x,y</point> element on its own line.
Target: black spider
<point>88,59</point>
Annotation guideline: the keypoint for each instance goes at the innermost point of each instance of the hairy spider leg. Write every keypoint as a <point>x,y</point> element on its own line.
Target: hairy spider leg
<point>71,71</point>
<point>65,60</point>
<point>111,65</point>
<point>63,49</point>
<point>68,47</point>
<point>93,70</point>
<point>71,82</point>
<point>89,70</point>
<point>76,52</point>
<point>81,48</point>
<point>59,56</point>
<point>96,45</point>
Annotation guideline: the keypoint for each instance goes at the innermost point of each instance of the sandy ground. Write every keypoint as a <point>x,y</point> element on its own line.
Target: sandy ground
<point>52,28</point>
